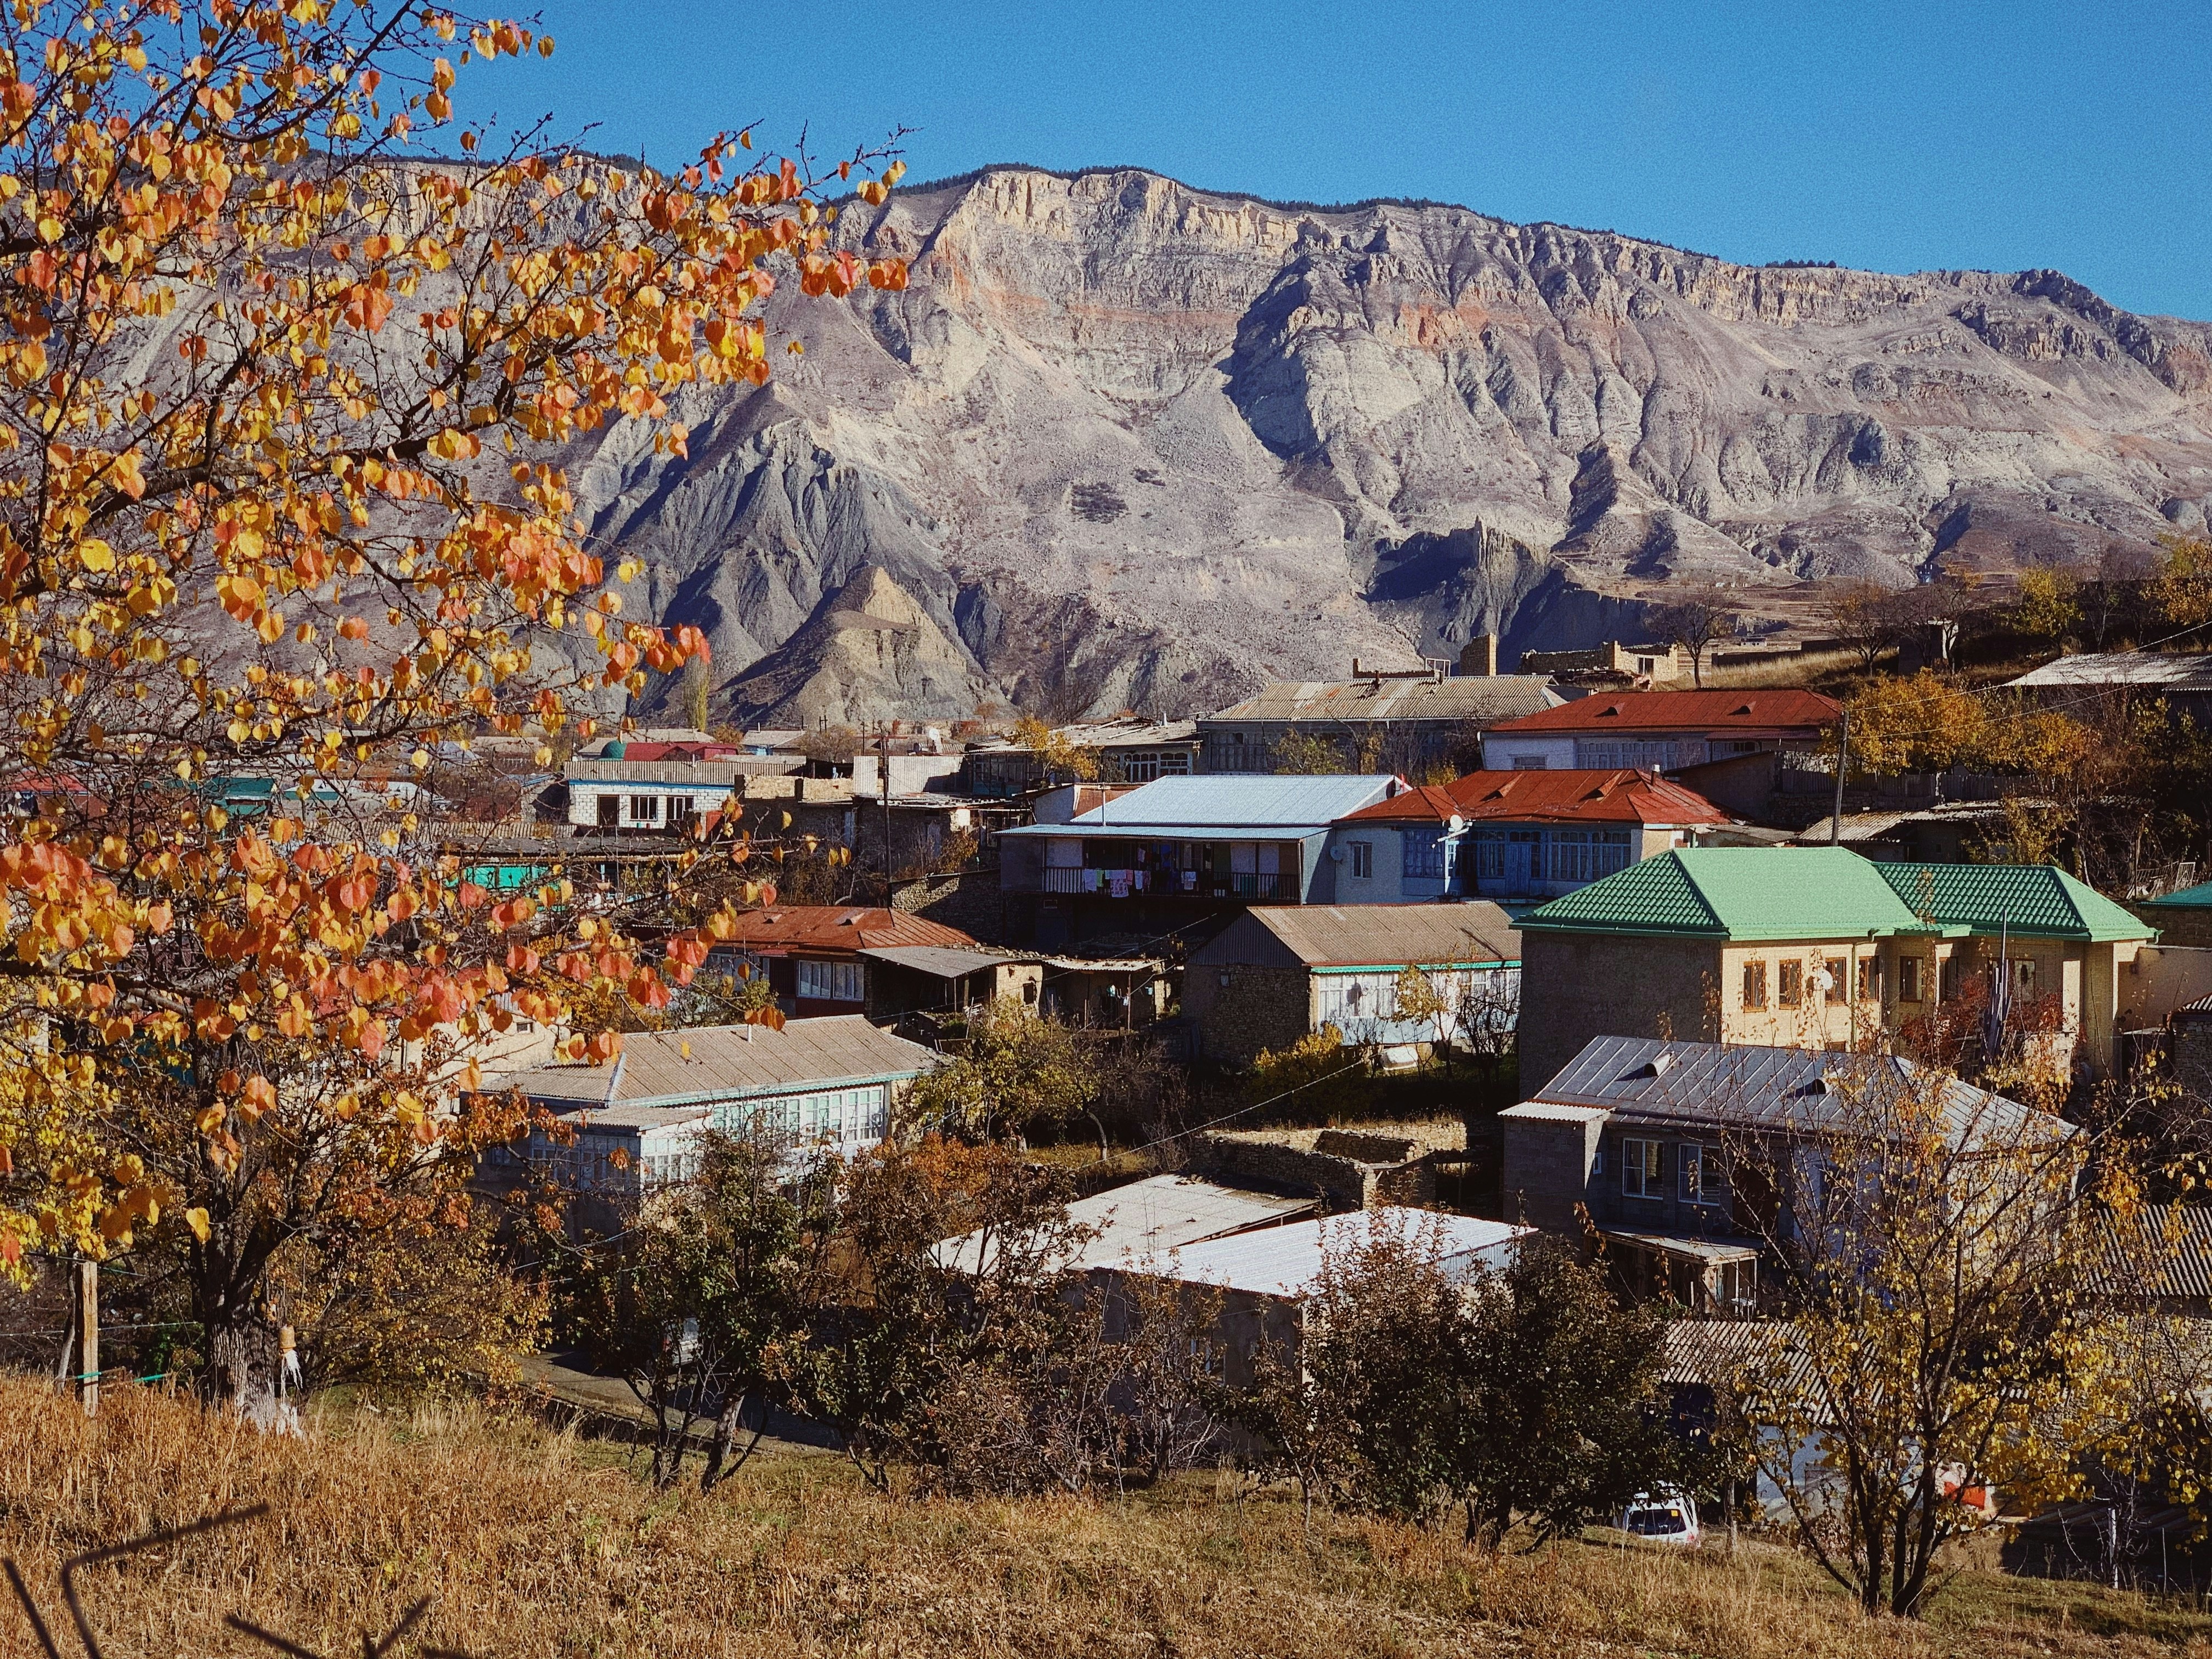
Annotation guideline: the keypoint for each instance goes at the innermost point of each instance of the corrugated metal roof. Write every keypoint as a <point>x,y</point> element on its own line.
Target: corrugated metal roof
<point>1734,712</point>
<point>1480,697</point>
<point>1423,804</point>
<point>838,927</point>
<point>1135,733</point>
<point>1710,1250</point>
<point>1727,1355</point>
<point>1349,935</point>
<point>1736,893</point>
<point>2165,1253</point>
<point>2092,668</point>
<point>1286,1261</point>
<point>944,961</point>
<point>1196,804</point>
<point>727,1062</point>
<point>1151,1217</point>
<point>1580,797</point>
<point>2026,898</point>
<point>1741,1085</point>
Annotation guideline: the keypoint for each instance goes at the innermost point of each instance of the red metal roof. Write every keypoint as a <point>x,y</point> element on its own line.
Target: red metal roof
<point>1740,713</point>
<point>1422,804</point>
<point>1580,797</point>
<point>830,929</point>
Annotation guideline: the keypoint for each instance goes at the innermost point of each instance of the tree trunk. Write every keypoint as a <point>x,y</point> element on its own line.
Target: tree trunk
<point>241,1368</point>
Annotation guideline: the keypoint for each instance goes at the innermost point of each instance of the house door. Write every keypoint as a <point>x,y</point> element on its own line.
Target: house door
<point>1523,864</point>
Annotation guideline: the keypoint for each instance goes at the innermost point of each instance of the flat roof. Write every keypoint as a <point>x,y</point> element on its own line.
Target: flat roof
<point>1151,1218</point>
<point>728,1062</point>
<point>1287,1261</point>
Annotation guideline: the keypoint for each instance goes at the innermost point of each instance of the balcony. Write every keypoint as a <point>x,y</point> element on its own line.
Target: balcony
<point>1247,888</point>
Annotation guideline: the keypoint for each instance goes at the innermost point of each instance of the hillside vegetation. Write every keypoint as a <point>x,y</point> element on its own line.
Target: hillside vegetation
<point>530,1542</point>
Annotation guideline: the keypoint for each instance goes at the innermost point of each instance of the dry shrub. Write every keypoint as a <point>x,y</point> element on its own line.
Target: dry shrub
<point>532,1543</point>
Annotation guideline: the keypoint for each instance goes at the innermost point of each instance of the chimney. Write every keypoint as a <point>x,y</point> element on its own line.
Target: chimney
<point>1480,656</point>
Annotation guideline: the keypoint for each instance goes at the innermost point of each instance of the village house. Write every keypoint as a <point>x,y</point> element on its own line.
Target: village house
<point>2182,683</point>
<point>1259,1280</point>
<point>1276,975</point>
<point>1405,722</point>
<point>1666,731</point>
<point>1637,1137</point>
<point>1128,749</point>
<point>1164,855</point>
<point>1817,947</point>
<point>814,955</point>
<point>2181,917</point>
<point>826,1084</point>
<point>1516,838</point>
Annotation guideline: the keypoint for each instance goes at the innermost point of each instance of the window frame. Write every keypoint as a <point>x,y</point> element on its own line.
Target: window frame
<point>1838,970</point>
<point>1645,1159</point>
<point>1789,983</point>
<point>1870,978</point>
<point>1363,859</point>
<point>1912,979</point>
<point>1754,985</point>
<point>1693,1159</point>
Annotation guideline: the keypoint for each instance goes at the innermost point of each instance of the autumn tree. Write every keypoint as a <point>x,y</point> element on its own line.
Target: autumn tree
<point>1058,760</point>
<point>1020,1068</point>
<point>276,399</point>
<point>1308,754</point>
<point>2181,589</point>
<point>2048,604</point>
<point>1936,1252</point>
<point>1694,621</point>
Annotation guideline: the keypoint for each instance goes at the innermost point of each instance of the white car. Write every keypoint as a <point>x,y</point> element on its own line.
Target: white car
<point>1668,1517</point>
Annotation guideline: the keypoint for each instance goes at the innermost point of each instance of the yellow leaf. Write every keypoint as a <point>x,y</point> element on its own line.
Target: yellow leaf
<point>196,1219</point>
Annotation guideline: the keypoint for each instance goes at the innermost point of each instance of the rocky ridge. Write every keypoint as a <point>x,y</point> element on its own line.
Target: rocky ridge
<point>1127,444</point>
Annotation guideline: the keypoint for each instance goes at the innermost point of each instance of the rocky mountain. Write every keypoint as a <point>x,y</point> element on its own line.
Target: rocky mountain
<point>1127,444</point>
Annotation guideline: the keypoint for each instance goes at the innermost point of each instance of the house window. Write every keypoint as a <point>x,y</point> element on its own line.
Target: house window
<point>644,809</point>
<point>1869,979</point>
<point>1790,992</point>
<point>1642,1168</point>
<point>682,809</point>
<point>1702,1181</point>
<point>1839,979</point>
<point>1584,855</point>
<point>1363,858</point>
<point>1909,969</point>
<point>1425,854</point>
<point>1531,763</point>
<point>2023,977</point>
<point>830,981</point>
<point>1754,985</point>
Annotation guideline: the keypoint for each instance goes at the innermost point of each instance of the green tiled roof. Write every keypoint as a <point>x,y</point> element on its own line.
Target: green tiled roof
<point>2198,897</point>
<point>2039,899</point>
<point>1737,893</point>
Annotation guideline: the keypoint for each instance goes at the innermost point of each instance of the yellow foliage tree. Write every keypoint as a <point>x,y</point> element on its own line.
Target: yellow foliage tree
<point>271,392</point>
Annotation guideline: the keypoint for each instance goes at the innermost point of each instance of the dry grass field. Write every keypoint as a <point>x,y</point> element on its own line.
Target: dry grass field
<point>533,1543</point>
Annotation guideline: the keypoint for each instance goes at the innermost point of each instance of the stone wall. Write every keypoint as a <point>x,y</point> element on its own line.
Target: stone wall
<point>1259,1008</point>
<point>1350,1169</point>
<point>969,900</point>
<point>1576,988</point>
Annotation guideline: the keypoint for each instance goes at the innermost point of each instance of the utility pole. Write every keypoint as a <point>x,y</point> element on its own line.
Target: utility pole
<point>885,779</point>
<point>1842,759</point>
<point>84,1323</point>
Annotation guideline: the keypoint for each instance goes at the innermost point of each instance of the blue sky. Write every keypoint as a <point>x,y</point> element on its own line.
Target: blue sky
<point>1894,136</point>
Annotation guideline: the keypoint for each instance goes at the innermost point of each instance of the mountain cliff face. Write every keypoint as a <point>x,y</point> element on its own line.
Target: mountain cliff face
<point>1126,444</point>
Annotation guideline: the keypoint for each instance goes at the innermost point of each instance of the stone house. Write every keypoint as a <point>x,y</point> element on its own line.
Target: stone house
<point>1817,948</point>
<point>1638,1137</point>
<point>1276,975</point>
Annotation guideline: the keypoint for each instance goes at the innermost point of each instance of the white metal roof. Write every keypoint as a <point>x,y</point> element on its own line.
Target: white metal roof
<point>1180,805</point>
<point>2124,668</point>
<point>1152,1217</point>
<point>728,1062</point>
<point>1286,1260</point>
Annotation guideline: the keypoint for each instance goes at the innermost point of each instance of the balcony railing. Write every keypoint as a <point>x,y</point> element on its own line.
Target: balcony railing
<point>1253,888</point>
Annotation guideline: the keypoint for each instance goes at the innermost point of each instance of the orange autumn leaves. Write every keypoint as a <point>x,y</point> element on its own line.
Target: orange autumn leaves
<point>276,405</point>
